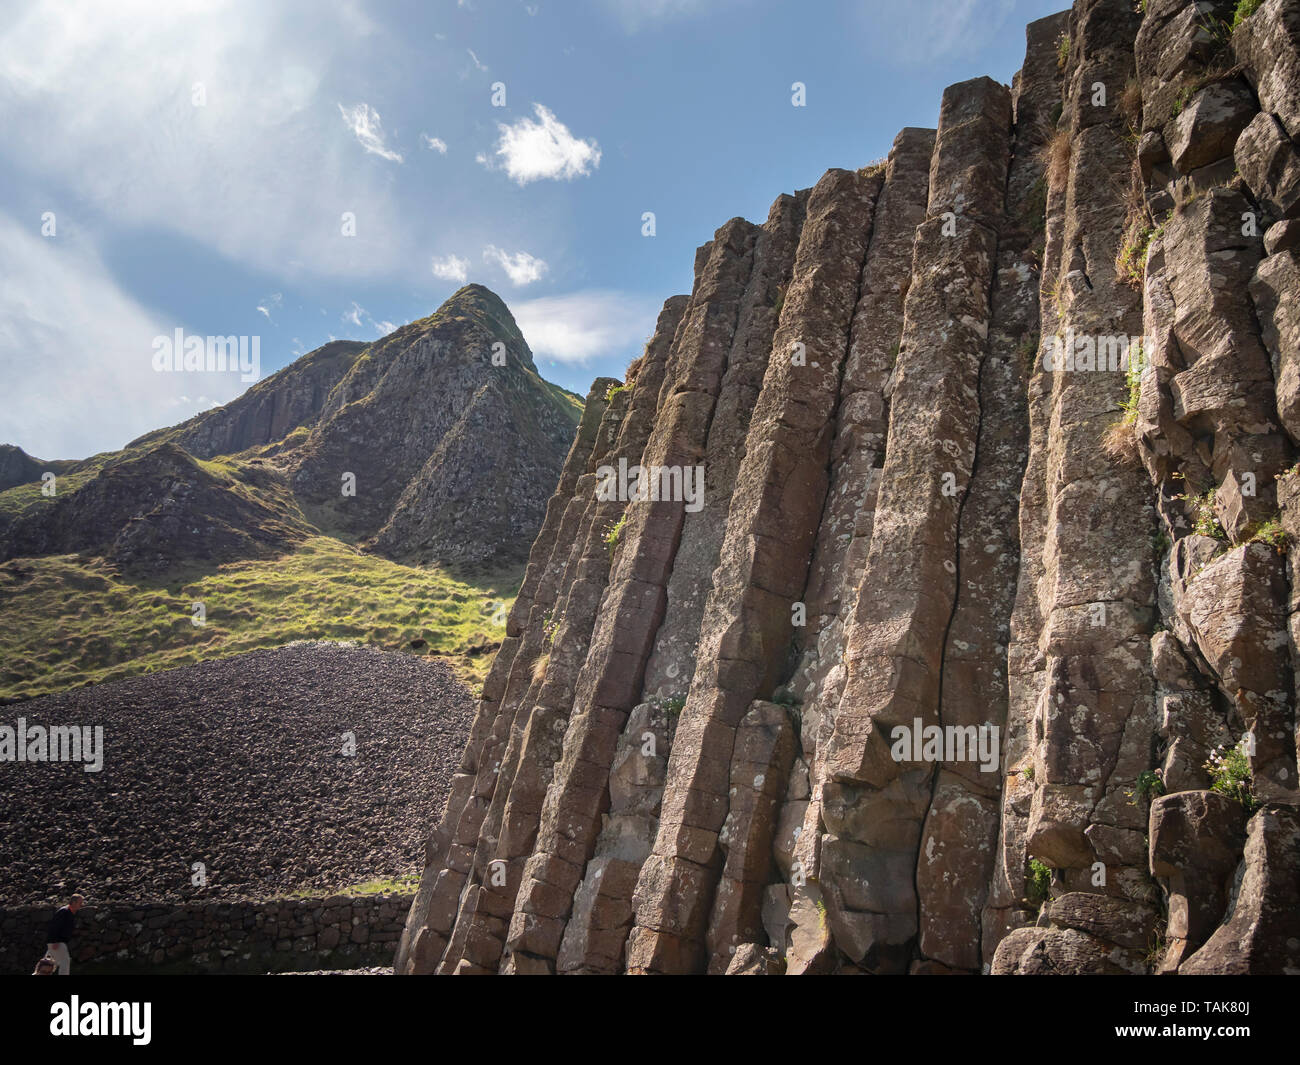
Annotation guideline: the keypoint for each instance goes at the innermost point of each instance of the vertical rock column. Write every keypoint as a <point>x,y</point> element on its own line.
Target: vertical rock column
<point>594,938</point>
<point>479,927</point>
<point>425,936</point>
<point>1093,726</point>
<point>745,633</point>
<point>958,842</point>
<point>611,678</point>
<point>844,534</point>
<point>862,419</point>
<point>863,836</point>
<point>564,633</point>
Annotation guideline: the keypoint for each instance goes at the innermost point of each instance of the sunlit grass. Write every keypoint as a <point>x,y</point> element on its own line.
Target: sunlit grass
<point>69,621</point>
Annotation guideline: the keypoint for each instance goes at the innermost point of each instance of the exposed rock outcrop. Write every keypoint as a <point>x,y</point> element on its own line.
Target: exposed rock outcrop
<point>269,411</point>
<point>452,440</point>
<point>439,443</point>
<point>977,653</point>
<point>154,508</point>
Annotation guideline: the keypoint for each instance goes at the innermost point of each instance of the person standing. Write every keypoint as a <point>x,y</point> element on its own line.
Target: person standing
<point>60,931</point>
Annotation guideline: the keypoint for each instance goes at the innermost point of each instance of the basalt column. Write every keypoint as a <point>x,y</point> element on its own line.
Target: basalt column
<point>858,851</point>
<point>602,911</point>
<point>958,842</point>
<point>1088,676</point>
<point>862,421</point>
<point>648,534</point>
<point>509,830</point>
<point>747,625</point>
<point>450,844</point>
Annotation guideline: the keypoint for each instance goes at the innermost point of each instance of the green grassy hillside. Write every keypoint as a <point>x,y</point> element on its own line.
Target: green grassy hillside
<point>70,621</point>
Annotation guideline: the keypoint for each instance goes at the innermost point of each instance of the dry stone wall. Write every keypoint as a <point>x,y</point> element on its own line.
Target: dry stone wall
<point>976,654</point>
<point>287,935</point>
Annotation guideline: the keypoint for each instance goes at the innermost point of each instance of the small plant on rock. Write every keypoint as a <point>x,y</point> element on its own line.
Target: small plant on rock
<point>1245,8</point>
<point>1120,441</point>
<point>1038,884</point>
<point>1270,532</point>
<point>1206,521</point>
<point>1130,103</point>
<point>1062,50</point>
<point>1230,775</point>
<point>1150,785</point>
<point>873,169</point>
<point>1155,949</point>
<point>1131,262</point>
<point>1056,157</point>
<point>613,533</point>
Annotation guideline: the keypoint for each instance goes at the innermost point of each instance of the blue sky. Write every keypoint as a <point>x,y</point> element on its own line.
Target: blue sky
<point>198,159</point>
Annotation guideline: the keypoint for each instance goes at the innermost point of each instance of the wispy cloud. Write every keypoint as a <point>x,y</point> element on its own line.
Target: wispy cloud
<point>358,317</point>
<point>364,122</point>
<point>104,81</point>
<point>923,32</point>
<point>434,144</point>
<point>451,268</point>
<point>534,150</point>
<point>271,303</point>
<point>76,353</point>
<point>479,65</point>
<point>585,325</point>
<point>520,267</point>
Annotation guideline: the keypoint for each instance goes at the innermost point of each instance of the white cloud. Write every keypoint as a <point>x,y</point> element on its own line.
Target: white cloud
<point>76,353</point>
<point>480,66</point>
<point>434,144</point>
<point>79,79</point>
<point>520,267</point>
<point>531,151</point>
<point>272,302</point>
<point>358,317</point>
<point>451,268</point>
<point>585,325</point>
<point>363,120</point>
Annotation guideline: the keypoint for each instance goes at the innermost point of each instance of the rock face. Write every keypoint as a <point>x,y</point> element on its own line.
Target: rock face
<point>151,509</point>
<point>439,443</point>
<point>977,651</point>
<point>17,467</point>
<point>453,440</point>
<point>271,409</point>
